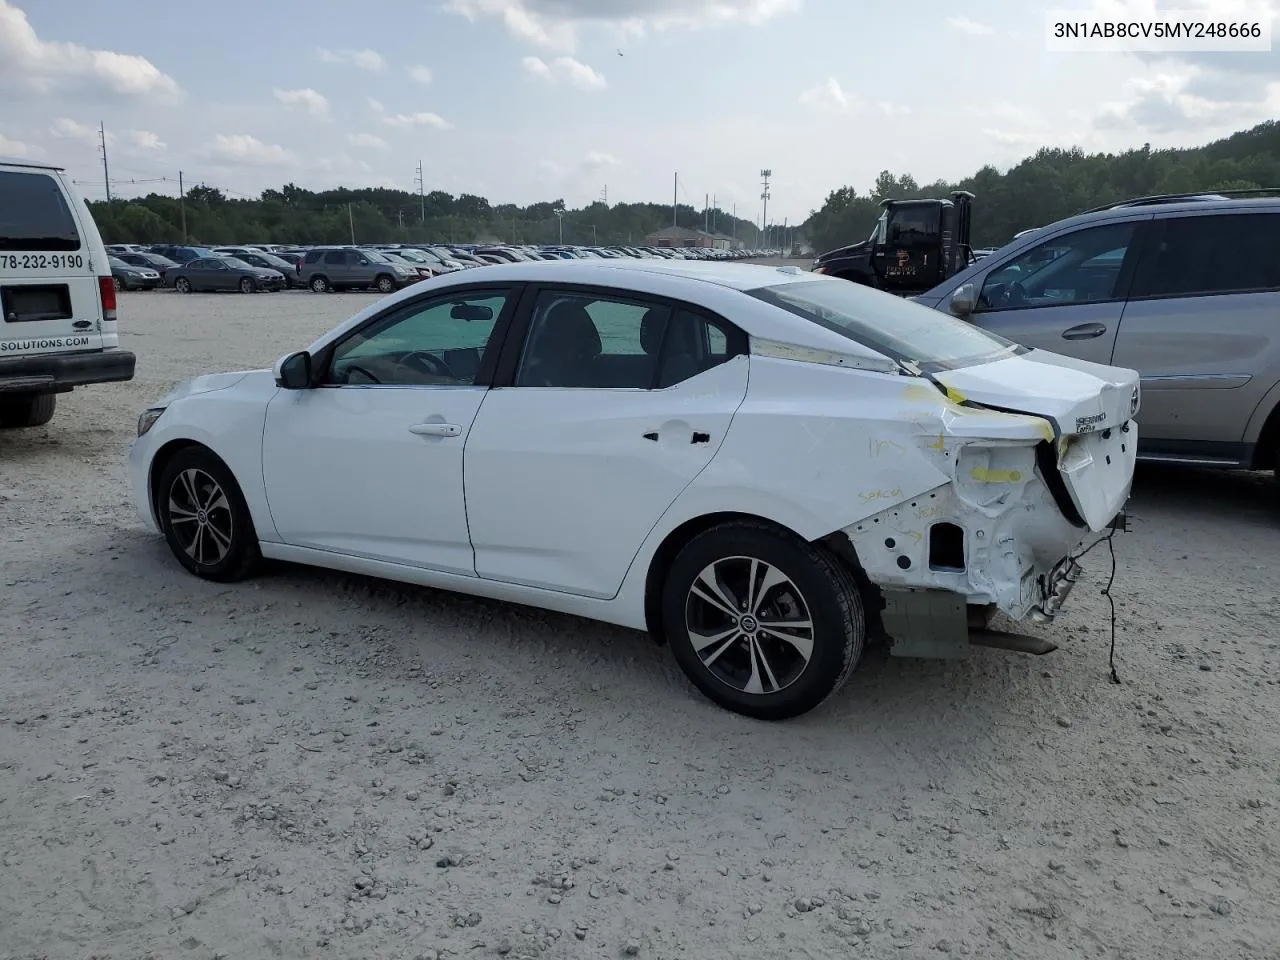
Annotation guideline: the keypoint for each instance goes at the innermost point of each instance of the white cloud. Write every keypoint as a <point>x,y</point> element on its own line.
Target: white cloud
<point>971,27</point>
<point>13,148</point>
<point>569,70</point>
<point>555,24</point>
<point>367,141</point>
<point>364,59</point>
<point>419,73</point>
<point>64,128</point>
<point>421,119</point>
<point>376,105</point>
<point>828,97</point>
<point>305,99</point>
<point>242,148</point>
<point>598,160</point>
<point>146,140</point>
<point>45,66</point>
<point>893,109</point>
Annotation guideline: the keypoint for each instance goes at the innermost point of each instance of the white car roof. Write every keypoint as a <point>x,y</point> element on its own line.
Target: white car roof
<point>736,276</point>
<point>19,162</point>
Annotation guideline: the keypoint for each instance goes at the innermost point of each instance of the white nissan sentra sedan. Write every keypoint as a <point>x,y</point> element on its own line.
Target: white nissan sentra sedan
<point>762,467</point>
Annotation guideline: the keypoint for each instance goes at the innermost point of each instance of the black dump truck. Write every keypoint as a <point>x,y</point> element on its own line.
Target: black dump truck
<point>916,244</point>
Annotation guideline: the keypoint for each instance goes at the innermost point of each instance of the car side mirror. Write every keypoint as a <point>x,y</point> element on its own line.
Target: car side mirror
<point>963,300</point>
<point>294,371</point>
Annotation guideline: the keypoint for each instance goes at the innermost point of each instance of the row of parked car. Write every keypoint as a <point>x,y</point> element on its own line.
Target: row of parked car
<point>252,268</point>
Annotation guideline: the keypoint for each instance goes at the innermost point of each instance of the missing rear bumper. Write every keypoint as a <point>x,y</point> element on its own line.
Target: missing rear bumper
<point>938,625</point>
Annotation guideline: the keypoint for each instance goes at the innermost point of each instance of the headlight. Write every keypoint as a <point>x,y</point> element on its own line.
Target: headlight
<point>148,419</point>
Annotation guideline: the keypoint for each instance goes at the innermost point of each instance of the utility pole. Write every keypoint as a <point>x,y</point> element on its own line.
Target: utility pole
<point>182,205</point>
<point>784,236</point>
<point>106,176</point>
<point>714,209</point>
<point>352,224</point>
<point>764,196</point>
<point>675,201</point>
<point>604,195</point>
<point>422,195</point>
<point>706,213</point>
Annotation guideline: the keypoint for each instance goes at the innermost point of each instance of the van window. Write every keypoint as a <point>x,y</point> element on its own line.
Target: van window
<point>34,214</point>
<point>1203,256</point>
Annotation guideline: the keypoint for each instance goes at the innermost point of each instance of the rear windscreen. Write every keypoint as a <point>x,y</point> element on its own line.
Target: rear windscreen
<point>34,214</point>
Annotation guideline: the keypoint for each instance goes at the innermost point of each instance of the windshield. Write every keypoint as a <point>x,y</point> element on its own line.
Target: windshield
<point>236,263</point>
<point>889,325</point>
<point>375,256</point>
<point>116,262</point>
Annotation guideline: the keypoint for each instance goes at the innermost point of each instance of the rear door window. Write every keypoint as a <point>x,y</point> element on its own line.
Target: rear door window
<point>34,214</point>
<point>1207,255</point>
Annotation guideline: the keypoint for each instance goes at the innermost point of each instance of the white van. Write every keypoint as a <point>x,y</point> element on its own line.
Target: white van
<point>57,298</point>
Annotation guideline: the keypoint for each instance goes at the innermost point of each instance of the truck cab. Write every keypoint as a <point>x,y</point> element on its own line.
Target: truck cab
<point>914,245</point>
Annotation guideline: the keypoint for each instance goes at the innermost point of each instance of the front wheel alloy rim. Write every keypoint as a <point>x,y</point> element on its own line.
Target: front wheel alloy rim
<point>750,625</point>
<point>200,515</point>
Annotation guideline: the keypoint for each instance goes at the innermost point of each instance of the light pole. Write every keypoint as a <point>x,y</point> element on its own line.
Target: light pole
<point>560,217</point>
<point>764,196</point>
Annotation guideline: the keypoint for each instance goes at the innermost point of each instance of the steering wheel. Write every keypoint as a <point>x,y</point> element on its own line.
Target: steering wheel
<point>1015,294</point>
<point>355,367</point>
<point>428,363</point>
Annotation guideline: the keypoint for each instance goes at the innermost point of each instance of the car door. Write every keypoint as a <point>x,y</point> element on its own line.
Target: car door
<point>616,402</point>
<point>1202,326</point>
<point>1065,295</point>
<point>368,463</point>
<point>335,267</point>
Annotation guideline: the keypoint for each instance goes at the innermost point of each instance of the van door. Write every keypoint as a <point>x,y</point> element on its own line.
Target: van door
<point>1202,326</point>
<point>50,300</point>
<point>1065,295</point>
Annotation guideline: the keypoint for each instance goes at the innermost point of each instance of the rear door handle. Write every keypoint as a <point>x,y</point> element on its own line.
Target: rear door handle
<point>700,437</point>
<point>1084,331</point>
<point>436,429</point>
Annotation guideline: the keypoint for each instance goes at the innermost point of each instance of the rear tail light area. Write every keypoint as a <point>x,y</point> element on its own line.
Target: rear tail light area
<point>107,294</point>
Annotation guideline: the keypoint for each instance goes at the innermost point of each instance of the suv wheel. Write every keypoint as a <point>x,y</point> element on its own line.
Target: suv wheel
<point>27,410</point>
<point>204,517</point>
<point>320,284</point>
<point>761,622</point>
<point>385,284</point>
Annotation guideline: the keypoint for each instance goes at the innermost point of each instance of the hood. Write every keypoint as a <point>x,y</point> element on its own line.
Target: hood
<point>205,384</point>
<point>267,272</point>
<point>1075,395</point>
<point>862,246</point>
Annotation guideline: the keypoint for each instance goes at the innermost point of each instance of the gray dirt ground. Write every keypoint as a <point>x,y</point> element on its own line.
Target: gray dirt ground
<point>320,765</point>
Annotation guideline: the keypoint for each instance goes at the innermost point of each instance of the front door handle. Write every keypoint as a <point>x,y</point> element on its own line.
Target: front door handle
<point>1084,331</point>
<point>436,429</point>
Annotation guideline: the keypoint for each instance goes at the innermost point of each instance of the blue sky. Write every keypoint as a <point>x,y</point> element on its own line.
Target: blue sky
<point>527,100</point>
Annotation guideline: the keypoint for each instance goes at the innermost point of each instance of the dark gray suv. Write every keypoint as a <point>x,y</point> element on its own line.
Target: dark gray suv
<point>1185,290</point>
<point>345,268</point>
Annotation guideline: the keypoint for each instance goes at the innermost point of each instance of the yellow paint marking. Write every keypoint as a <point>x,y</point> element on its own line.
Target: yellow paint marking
<point>869,495</point>
<point>880,446</point>
<point>955,396</point>
<point>983,475</point>
<point>916,534</point>
<point>917,392</point>
<point>939,444</point>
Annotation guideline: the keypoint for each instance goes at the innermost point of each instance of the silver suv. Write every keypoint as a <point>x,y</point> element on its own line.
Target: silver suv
<point>1186,290</point>
<point>344,268</point>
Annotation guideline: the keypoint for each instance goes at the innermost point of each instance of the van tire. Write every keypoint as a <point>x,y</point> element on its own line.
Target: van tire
<point>27,410</point>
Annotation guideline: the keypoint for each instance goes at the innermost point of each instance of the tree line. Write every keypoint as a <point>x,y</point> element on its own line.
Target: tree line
<point>1050,185</point>
<point>1055,183</point>
<point>379,215</point>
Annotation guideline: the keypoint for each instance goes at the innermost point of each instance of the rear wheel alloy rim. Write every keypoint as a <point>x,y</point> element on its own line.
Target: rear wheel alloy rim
<point>200,515</point>
<point>750,625</point>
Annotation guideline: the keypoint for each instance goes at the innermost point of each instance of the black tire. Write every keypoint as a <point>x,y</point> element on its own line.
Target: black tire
<point>182,285</point>
<point>385,283</point>
<point>817,585</point>
<point>247,285</point>
<point>27,410</point>
<point>319,284</point>
<point>223,545</point>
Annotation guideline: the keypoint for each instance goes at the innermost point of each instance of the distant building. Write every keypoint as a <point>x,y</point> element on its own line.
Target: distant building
<point>684,237</point>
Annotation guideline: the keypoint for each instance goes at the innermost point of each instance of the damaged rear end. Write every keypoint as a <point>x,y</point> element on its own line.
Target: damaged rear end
<point>1039,452</point>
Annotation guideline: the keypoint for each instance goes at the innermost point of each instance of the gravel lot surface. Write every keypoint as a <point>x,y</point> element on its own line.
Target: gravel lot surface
<point>319,765</point>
